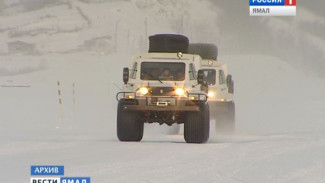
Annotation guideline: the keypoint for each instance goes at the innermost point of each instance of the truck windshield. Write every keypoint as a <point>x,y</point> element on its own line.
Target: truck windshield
<point>163,71</point>
<point>210,75</point>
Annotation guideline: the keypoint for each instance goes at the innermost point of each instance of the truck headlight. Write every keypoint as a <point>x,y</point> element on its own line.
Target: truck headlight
<point>143,90</point>
<point>211,94</point>
<point>179,91</point>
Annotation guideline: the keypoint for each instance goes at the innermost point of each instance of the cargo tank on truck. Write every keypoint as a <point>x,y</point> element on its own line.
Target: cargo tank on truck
<point>164,86</point>
<point>220,86</point>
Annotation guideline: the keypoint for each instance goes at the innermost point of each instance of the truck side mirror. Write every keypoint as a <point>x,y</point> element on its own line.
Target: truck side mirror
<point>231,87</point>
<point>126,75</point>
<point>200,77</point>
<point>230,84</point>
<point>229,79</point>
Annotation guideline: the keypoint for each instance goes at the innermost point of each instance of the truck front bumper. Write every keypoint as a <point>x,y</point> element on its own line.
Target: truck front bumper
<point>161,108</point>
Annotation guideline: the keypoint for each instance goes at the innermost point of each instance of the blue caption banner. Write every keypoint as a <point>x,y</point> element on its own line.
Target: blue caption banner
<point>75,179</point>
<point>266,2</point>
<point>47,170</point>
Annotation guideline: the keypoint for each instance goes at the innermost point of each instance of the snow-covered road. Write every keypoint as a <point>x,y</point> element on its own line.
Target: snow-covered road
<point>273,158</point>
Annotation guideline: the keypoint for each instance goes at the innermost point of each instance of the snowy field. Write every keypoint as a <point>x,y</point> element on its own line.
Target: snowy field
<point>279,92</point>
<point>279,136</point>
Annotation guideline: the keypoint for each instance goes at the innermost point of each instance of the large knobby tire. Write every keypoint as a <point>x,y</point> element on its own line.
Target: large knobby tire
<point>197,125</point>
<point>128,127</point>
<point>224,114</point>
<point>205,50</point>
<point>168,43</point>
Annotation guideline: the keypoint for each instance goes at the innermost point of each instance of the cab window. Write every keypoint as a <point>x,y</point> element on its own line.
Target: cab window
<point>210,75</point>
<point>222,79</point>
<point>134,71</point>
<point>192,72</point>
<point>163,71</point>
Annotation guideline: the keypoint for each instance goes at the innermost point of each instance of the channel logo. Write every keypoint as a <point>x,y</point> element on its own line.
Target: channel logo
<point>53,174</point>
<point>272,7</point>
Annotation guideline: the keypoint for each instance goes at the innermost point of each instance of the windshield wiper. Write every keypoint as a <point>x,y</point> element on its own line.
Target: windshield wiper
<point>152,76</point>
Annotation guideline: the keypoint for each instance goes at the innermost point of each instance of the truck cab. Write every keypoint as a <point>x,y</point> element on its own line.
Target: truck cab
<point>219,81</point>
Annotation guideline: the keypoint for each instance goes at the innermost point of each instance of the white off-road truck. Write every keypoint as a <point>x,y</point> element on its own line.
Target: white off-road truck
<point>220,86</point>
<point>164,86</point>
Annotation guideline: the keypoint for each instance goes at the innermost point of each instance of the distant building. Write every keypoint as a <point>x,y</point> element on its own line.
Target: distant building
<point>20,47</point>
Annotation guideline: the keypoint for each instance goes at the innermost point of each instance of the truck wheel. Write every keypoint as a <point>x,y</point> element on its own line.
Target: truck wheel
<point>205,50</point>
<point>128,127</point>
<point>168,43</point>
<point>197,125</point>
<point>224,115</point>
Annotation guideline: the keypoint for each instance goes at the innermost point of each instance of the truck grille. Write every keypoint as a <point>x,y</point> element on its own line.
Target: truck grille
<point>161,101</point>
<point>162,91</point>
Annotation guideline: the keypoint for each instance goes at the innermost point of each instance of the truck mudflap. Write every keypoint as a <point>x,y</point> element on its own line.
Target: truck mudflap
<point>160,108</point>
